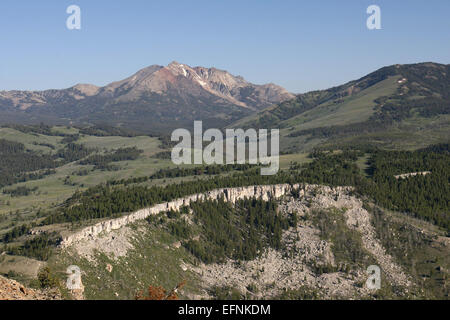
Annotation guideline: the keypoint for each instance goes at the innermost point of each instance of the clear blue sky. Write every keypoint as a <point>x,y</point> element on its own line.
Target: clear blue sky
<point>301,45</point>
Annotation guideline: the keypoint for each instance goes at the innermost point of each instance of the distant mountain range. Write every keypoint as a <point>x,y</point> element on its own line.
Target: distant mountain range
<point>398,106</point>
<point>154,99</point>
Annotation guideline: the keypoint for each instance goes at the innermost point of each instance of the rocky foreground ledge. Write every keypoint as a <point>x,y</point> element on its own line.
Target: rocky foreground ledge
<point>13,290</point>
<point>229,194</point>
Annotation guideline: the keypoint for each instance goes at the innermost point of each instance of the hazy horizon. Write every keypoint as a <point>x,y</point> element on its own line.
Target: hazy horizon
<point>300,46</point>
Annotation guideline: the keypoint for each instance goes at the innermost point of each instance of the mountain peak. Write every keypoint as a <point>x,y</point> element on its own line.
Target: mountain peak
<point>174,63</point>
<point>176,93</point>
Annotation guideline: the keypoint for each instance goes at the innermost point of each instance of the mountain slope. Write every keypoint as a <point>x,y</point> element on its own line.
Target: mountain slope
<point>155,99</point>
<point>389,104</point>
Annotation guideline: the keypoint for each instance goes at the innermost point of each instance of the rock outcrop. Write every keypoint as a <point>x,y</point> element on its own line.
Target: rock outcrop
<point>412,174</point>
<point>13,290</point>
<point>291,268</point>
<point>294,267</point>
<point>229,194</point>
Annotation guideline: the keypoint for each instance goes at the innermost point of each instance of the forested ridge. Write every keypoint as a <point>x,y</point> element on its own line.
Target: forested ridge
<point>208,170</point>
<point>425,197</point>
<point>101,161</point>
<point>423,91</point>
<point>108,201</point>
<point>16,163</point>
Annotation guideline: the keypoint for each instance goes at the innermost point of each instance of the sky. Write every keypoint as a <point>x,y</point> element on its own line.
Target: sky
<point>300,45</point>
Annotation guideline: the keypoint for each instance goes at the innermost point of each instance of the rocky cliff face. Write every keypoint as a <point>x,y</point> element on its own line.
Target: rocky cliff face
<point>308,263</point>
<point>229,194</point>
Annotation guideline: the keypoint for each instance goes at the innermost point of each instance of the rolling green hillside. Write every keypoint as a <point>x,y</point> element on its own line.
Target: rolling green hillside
<point>395,107</point>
